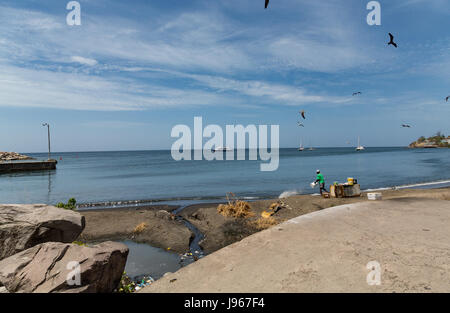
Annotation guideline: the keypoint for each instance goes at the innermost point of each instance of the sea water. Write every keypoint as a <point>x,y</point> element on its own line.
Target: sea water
<point>127,177</point>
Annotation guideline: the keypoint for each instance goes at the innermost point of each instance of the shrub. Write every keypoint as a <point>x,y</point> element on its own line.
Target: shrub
<point>70,205</point>
<point>235,208</point>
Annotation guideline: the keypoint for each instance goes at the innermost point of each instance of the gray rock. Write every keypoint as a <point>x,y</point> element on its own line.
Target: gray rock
<point>50,267</point>
<point>163,214</point>
<point>24,226</point>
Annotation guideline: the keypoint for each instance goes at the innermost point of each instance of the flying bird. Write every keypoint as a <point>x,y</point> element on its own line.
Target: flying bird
<point>267,3</point>
<point>446,99</point>
<point>300,124</point>
<point>302,112</point>
<point>406,126</point>
<point>357,93</point>
<point>391,42</point>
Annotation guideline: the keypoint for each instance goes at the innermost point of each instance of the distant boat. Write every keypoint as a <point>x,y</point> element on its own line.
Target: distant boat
<point>359,147</point>
<point>221,149</point>
<point>311,148</point>
<point>301,147</point>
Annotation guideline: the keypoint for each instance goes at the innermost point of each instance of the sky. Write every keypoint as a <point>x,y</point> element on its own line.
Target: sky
<point>134,69</point>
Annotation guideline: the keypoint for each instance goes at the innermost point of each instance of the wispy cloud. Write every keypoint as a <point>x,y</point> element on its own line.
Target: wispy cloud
<point>84,61</point>
<point>209,56</point>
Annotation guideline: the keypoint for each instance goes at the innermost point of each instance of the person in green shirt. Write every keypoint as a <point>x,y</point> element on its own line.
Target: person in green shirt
<point>321,181</point>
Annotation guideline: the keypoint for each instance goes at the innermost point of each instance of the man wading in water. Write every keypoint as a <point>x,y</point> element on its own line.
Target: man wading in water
<point>321,181</point>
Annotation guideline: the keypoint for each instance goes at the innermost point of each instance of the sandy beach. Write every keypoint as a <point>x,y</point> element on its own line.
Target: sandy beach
<point>166,232</point>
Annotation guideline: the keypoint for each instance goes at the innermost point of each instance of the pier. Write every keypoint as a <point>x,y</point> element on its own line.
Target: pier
<point>25,166</point>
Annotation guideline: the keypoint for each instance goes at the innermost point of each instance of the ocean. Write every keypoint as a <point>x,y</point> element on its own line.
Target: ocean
<point>133,177</point>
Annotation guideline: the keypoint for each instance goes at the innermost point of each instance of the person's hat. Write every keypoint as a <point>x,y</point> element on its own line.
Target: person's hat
<point>318,171</point>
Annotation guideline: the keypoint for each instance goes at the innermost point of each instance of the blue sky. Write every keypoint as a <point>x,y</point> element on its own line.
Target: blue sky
<point>134,69</point>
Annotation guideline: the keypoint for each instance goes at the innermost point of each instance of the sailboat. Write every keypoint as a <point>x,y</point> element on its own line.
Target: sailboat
<point>359,147</point>
<point>301,146</point>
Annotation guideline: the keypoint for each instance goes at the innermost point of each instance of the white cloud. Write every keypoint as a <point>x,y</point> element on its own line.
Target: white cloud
<point>84,61</point>
<point>21,87</point>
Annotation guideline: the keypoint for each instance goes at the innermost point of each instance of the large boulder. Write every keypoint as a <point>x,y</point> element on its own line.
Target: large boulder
<point>24,226</point>
<point>52,267</point>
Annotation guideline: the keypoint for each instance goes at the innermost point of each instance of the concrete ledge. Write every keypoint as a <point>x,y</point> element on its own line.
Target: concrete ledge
<point>329,250</point>
<point>23,166</point>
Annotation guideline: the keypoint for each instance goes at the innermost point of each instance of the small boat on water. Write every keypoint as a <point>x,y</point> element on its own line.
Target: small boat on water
<point>359,147</point>
<point>301,147</point>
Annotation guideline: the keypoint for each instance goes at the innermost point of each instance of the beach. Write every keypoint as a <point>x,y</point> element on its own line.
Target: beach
<point>219,231</point>
<point>399,245</point>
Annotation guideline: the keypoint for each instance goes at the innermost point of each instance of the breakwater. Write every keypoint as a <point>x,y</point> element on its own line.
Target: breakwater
<point>24,166</point>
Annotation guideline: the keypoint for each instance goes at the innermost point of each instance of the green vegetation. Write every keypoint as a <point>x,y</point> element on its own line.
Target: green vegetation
<point>126,285</point>
<point>438,140</point>
<point>70,205</point>
<point>80,243</point>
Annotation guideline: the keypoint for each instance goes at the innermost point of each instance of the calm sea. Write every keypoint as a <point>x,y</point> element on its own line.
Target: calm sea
<point>121,177</point>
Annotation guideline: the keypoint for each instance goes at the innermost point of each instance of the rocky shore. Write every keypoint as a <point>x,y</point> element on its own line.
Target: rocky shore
<point>38,253</point>
<point>13,156</point>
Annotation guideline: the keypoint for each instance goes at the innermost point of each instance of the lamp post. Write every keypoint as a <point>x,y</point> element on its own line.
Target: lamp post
<point>48,133</point>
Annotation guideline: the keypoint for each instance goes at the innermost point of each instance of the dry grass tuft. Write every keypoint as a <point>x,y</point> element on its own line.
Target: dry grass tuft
<point>140,228</point>
<point>235,208</point>
<point>264,223</point>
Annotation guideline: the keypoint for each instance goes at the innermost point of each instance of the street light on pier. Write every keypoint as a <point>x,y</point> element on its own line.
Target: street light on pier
<point>48,133</point>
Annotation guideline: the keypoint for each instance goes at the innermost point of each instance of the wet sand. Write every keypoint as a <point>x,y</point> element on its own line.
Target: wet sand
<point>164,231</point>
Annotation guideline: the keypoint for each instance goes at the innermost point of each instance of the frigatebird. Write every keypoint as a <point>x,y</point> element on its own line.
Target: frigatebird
<point>406,126</point>
<point>302,112</point>
<point>391,42</point>
<point>357,93</point>
<point>300,124</point>
<point>267,3</point>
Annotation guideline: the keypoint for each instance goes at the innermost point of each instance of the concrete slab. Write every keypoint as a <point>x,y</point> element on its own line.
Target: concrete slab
<point>329,250</point>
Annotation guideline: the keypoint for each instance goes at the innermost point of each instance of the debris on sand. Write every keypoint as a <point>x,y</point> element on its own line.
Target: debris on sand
<point>235,208</point>
<point>140,228</point>
<point>274,208</point>
<point>264,223</point>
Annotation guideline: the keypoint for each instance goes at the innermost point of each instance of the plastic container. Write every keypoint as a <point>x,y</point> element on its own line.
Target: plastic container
<point>374,196</point>
<point>350,181</point>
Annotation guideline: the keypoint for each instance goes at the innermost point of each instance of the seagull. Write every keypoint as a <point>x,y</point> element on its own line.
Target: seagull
<point>300,124</point>
<point>357,93</point>
<point>446,99</point>
<point>267,3</point>
<point>391,42</point>
<point>302,112</point>
<point>406,126</point>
